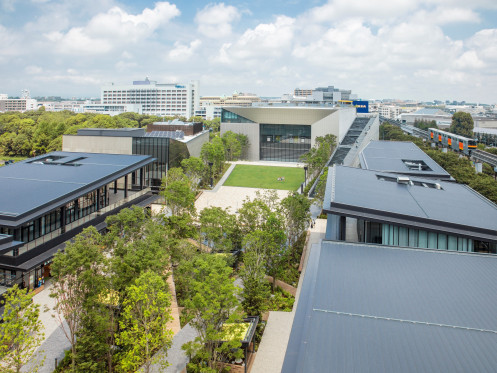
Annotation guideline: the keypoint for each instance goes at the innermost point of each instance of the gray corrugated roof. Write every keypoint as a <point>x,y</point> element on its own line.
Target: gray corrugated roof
<point>366,308</point>
<point>454,204</point>
<point>388,156</point>
<point>34,183</point>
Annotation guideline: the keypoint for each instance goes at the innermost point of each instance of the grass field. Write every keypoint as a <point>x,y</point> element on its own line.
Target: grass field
<point>265,177</point>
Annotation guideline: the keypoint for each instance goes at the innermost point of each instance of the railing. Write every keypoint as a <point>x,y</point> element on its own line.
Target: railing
<point>49,236</point>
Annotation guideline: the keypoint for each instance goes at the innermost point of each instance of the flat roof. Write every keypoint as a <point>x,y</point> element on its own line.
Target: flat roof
<point>377,196</point>
<point>37,185</point>
<point>400,157</point>
<point>368,308</point>
<point>283,115</point>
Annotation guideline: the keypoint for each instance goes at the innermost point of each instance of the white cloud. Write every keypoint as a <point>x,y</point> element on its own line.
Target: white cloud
<point>33,70</point>
<point>182,52</point>
<point>264,41</point>
<point>214,21</point>
<point>469,60</point>
<point>106,31</point>
<point>372,10</point>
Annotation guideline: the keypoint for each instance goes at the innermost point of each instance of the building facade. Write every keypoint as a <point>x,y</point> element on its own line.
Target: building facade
<point>166,144</point>
<point>155,98</point>
<point>285,133</point>
<point>47,200</point>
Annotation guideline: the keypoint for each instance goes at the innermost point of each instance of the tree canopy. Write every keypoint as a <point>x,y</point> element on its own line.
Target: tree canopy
<point>462,124</point>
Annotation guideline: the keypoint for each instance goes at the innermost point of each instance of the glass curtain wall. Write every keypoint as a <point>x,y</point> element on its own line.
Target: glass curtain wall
<point>393,235</point>
<point>283,142</point>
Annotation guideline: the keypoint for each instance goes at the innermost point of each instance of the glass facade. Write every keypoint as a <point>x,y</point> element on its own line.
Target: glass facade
<point>52,221</point>
<point>283,142</point>
<point>229,117</point>
<point>393,235</point>
<point>167,153</point>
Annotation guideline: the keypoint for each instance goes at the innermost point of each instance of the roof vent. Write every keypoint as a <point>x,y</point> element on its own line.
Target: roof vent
<point>438,186</point>
<point>403,180</point>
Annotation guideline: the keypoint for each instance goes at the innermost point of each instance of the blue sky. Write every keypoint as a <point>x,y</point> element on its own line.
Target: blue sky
<point>405,49</point>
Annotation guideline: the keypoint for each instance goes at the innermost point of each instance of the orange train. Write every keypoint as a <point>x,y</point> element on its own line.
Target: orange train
<point>450,140</point>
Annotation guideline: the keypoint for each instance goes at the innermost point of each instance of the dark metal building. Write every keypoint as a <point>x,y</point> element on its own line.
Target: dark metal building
<point>46,200</point>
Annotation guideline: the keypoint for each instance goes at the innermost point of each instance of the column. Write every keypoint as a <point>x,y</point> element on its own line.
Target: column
<point>125,186</point>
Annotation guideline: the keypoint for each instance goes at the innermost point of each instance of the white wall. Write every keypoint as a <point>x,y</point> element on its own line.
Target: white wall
<point>347,116</point>
<point>251,130</point>
<point>97,144</point>
<point>195,145</point>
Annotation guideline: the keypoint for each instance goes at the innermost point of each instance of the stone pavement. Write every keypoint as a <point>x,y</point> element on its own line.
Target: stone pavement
<point>271,353</point>
<point>55,342</point>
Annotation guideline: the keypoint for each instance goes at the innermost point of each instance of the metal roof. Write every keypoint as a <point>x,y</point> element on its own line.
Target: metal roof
<point>167,134</point>
<point>36,185</point>
<point>454,208</point>
<point>394,156</point>
<point>368,308</point>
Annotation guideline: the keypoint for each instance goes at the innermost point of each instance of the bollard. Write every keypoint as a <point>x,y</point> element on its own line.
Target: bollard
<point>55,363</point>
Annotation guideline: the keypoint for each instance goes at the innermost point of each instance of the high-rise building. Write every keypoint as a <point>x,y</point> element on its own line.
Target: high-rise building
<point>155,98</point>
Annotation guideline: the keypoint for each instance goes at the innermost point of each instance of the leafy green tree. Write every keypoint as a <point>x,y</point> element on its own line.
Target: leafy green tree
<point>218,227</point>
<point>213,303</point>
<point>213,152</point>
<point>295,209</point>
<point>78,282</point>
<point>20,332</point>
<point>462,124</point>
<point>195,169</point>
<point>425,124</point>
<point>255,291</point>
<point>178,192</point>
<point>232,146</point>
<point>143,327</point>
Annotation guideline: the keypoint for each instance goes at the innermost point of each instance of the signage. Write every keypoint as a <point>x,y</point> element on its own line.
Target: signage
<point>361,106</point>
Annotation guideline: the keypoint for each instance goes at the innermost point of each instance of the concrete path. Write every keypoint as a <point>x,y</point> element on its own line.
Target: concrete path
<point>55,340</point>
<point>271,353</point>
<point>175,355</point>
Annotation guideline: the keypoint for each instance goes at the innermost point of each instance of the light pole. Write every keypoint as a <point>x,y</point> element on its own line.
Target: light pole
<point>210,168</point>
<point>305,177</point>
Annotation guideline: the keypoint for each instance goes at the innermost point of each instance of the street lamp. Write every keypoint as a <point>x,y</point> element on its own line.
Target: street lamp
<point>305,178</point>
<point>210,167</point>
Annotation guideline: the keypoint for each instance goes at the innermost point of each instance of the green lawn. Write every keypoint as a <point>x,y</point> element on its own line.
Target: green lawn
<point>266,177</point>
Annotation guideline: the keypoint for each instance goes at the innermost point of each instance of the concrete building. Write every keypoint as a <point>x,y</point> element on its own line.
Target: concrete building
<point>165,142</point>
<point>112,109</point>
<point>389,111</point>
<point>285,133</point>
<point>155,98</point>
<point>17,104</point>
<point>210,106</point>
<point>442,118</point>
<point>45,201</point>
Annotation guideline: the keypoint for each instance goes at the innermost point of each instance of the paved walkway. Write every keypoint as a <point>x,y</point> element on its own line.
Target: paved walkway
<point>55,340</point>
<point>271,353</point>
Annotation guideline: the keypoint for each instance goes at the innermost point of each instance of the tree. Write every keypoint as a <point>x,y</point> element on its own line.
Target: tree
<point>462,124</point>
<point>20,332</point>
<point>255,291</point>
<point>195,169</point>
<point>213,302</point>
<point>178,192</point>
<point>295,209</point>
<point>232,146</point>
<point>213,152</point>
<point>146,312</point>
<point>217,226</point>
<point>78,281</point>
<point>269,241</point>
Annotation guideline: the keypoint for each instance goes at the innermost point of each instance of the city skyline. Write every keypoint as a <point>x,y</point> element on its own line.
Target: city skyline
<point>421,50</point>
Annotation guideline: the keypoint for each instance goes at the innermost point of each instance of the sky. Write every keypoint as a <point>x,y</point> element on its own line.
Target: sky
<point>402,49</point>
